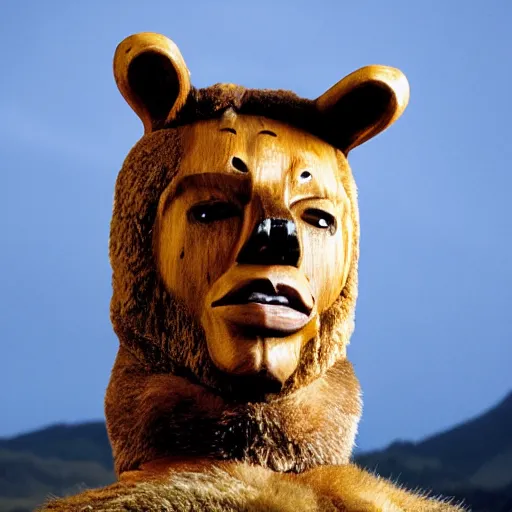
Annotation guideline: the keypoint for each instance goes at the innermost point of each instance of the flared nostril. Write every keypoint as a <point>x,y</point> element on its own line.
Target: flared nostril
<point>273,242</point>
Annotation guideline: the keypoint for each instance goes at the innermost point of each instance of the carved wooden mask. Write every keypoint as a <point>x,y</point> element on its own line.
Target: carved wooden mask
<point>257,232</point>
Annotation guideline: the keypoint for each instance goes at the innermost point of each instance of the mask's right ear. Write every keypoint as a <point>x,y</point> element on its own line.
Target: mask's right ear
<point>152,77</point>
<point>363,104</point>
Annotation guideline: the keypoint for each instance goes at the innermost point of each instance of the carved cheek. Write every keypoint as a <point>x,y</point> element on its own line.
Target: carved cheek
<point>192,256</point>
<point>324,262</point>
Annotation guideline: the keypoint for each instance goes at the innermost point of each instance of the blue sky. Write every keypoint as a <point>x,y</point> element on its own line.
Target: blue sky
<point>433,341</point>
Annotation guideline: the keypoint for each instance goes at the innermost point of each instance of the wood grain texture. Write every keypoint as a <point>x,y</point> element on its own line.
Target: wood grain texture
<point>155,81</point>
<point>368,100</point>
<point>287,174</point>
<point>152,77</point>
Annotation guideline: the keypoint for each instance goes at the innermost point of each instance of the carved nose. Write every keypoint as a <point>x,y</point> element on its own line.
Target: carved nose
<point>273,242</point>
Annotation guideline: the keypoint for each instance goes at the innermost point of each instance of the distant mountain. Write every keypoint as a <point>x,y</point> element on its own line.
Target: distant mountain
<point>81,442</point>
<point>472,461</point>
<point>56,461</point>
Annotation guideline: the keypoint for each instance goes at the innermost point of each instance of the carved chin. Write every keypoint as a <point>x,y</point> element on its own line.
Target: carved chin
<point>259,357</point>
<point>257,320</point>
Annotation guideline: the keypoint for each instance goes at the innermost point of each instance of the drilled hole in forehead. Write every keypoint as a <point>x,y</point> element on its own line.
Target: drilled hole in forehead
<point>239,164</point>
<point>305,176</point>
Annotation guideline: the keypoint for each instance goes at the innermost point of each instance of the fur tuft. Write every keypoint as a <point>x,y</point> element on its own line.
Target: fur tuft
<point>244,488</point>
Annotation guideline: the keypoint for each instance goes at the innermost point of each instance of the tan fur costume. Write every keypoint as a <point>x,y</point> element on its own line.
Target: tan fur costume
<point>182,438</point>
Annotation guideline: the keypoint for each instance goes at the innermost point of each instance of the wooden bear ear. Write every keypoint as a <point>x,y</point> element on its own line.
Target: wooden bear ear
<point>152,77</point>
<point>363,104</point>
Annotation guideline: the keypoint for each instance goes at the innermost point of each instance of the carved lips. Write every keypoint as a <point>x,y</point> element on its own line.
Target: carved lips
<point>270,303</point>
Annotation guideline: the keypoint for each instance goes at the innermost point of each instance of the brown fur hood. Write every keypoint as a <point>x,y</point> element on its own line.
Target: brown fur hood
<point>162,346</point>
<point>160,342</point>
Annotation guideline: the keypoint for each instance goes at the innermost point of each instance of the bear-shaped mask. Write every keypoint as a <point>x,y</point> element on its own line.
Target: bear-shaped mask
<point>257,231</point>
<point>254,234</point>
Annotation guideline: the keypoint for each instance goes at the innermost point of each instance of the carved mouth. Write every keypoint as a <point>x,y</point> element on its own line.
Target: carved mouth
<point>262,291</point>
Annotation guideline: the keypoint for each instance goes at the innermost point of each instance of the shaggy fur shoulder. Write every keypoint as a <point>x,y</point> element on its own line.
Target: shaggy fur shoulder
<point>241,487</point>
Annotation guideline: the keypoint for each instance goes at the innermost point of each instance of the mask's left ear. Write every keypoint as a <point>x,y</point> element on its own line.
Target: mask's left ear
<point>153,77</point>
<point>363,104</point>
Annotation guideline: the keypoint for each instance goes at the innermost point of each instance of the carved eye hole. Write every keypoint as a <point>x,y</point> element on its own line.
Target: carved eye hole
<point>320,219</point>
<point>305,176</point>
<point>206,213</point>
